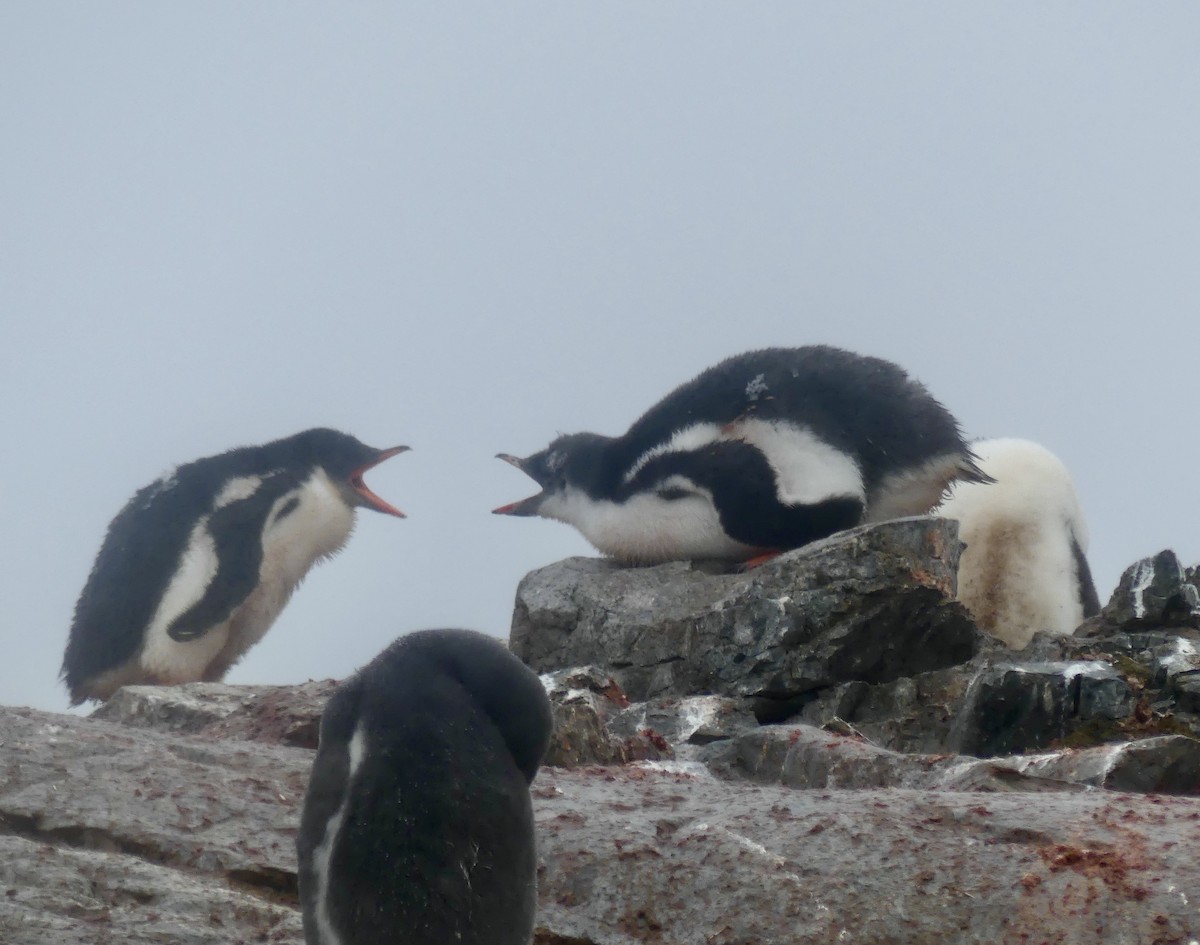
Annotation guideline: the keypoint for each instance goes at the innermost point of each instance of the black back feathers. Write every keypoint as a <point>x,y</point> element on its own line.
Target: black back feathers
<point>417,825</point>
<point>230,498</point>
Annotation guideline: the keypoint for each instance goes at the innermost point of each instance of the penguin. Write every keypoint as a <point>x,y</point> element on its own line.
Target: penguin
<point>1024,567</point>
<point>764,452</point>
<point>197,566</point>
<point>417,824</point>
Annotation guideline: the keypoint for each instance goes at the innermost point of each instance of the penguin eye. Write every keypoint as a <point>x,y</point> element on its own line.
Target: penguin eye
<point>287,509</point>
<point>673,493</point>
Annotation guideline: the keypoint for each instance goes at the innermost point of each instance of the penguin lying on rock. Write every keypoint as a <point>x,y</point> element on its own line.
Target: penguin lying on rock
<point>197,566</point>
<point>1024,567</point>
<point>417,825</point>
<point>764,452</point>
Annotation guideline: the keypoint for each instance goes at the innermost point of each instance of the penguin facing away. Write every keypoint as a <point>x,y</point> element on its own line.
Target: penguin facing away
<point>766,451</point>
<point>197,566</point>
<point>417,824</point>
<point>1024,567</point>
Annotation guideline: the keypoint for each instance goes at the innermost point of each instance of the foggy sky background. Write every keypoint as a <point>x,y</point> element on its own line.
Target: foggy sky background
<point>468,227</point>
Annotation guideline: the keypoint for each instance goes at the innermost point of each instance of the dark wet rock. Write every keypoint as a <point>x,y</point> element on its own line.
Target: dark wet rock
<point>1010,709</point>
<point>696,720</point>
<point>583,700</point>
<point>912,715</point>
<point>871,604</point>
<point>801,756</point>
<point>1186,689</point>
<point>1154,592</point>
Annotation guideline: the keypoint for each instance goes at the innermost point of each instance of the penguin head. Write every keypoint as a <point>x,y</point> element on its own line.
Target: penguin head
<point>345,461</point>
<point>572,462</point>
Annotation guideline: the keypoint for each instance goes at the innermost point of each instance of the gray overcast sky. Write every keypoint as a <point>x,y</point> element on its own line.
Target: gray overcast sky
<point>467,227</point>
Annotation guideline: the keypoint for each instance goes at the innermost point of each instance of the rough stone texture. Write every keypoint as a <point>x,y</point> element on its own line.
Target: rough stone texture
<point>1016,708</point>
<point>285,715</point>
<point>871,604</point>
<point>56,895</point>
<point>117,835</point>
<point>696,720</point>
<point>1154,592</point>
<point>583,699</point>
<point>801,756</point>
<point>178,824</point>
<point>1144,687</point>
<point>631,855</point>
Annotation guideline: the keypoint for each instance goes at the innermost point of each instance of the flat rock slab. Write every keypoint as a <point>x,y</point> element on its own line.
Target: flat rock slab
<point>633,855</point>
<point>54,895</point>
<point>800,756</point>
<point>277,715</point>
<point>873,604</point>
<point>228,809</point>
<point>114,834</point>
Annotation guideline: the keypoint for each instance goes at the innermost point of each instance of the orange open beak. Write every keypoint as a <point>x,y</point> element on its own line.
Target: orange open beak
<point>369,498</point>
<point>525,506</point>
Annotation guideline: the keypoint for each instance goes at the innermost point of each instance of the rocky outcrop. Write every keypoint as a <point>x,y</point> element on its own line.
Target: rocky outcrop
<point>114,835</point>
<point>872,605</point>
<point>928,784</point>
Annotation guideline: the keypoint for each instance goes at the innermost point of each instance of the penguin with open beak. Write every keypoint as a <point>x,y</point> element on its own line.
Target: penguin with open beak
<point>197,566</point>
<point>764,452</point>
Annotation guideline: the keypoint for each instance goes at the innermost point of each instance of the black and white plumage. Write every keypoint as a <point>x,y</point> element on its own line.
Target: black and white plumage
<point>766,451</point>
<point>1024,567</point>
<point>417,824</point>
<point>197,566</point>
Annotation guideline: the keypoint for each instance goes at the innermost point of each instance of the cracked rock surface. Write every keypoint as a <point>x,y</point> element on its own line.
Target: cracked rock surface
<point>917,783</point>
<point>872,604</point>
<point>117,835</point>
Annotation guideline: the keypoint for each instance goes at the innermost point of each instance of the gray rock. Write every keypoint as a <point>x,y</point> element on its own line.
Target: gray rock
<point>696,720</point>
<point>634,855</point>
<point>55,895</point>
<point>911,715</point>
<point>1168,764</point>
<point>1153,592</point>
<point>1012,708</point>
<point>583,700</point>
<point>1186,689</point>
<point>184,802</point>
<point>278,715</point>
<point>872,604</point>
<point>113,834</point>
<point>800,756</point>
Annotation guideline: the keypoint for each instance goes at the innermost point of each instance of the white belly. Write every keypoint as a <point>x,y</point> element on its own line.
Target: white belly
<point>647,529</point>
<point>318,528</point>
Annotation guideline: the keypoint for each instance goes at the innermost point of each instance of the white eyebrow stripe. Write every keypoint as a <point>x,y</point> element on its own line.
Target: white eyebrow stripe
<point>807,468</point>
<point>687,438</point>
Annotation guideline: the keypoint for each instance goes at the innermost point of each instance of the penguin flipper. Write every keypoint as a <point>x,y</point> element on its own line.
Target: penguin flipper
<point>745,489</point>
<point>328,789</point>
<point>235,531</point>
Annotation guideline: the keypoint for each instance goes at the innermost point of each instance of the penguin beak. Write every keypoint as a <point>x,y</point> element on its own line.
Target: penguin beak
<point>366,496</point>
<point>525,507</point>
